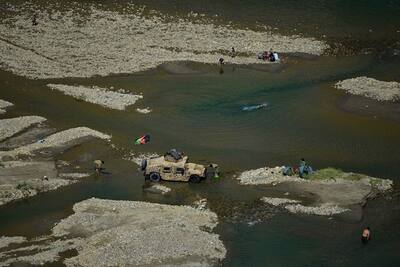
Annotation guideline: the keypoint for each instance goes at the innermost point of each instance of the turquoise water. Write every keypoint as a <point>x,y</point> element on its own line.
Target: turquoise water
<point>201,114</point>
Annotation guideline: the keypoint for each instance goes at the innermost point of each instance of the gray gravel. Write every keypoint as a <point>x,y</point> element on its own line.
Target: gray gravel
<point>275,201</point>
<point>326,209</point>
<point>372,88</point>
<point>98,95</point>
<point>9,127</point>
<point>57,140</point>
<point>128,233</point>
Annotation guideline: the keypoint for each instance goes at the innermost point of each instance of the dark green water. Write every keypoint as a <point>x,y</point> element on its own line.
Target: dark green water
<point>201,114</point>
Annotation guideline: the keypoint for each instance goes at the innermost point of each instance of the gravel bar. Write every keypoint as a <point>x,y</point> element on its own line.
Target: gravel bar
<point>3,105</point>
<point>10,127</point>
<point>98,95</point>
<point>87,40</point>
<point>371,88</point>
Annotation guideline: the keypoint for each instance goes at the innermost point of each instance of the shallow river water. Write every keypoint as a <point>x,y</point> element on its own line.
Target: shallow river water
<point>200,113</point>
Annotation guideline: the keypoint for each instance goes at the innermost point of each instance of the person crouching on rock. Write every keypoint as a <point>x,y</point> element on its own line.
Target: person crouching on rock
<point>366,235</point>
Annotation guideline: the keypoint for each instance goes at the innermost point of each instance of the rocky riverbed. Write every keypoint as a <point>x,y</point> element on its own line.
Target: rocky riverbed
<point>371,88</point>
<point>329,191</point>
<point>86,40</point>
<point>125,233</point>
<point>28,156</point>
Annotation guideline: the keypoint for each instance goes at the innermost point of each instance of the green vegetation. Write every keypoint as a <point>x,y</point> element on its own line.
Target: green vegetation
<point>333,174</point>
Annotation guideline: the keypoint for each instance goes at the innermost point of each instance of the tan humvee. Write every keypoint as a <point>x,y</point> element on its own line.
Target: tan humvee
<point>173,169</point>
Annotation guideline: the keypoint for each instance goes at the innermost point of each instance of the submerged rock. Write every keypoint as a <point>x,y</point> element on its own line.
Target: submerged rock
<point>275,201</point>
<point>372,88</point>
<point>114,42</point>
<point>143,110</point>
<point>158,189</point>
<point>326,209</point>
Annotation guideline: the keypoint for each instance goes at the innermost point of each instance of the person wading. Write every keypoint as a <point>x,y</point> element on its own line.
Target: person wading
<point>98,165</point>
<point>366,235</point>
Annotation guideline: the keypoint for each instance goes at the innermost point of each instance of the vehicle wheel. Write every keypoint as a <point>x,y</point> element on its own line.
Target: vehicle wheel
<point>155,177</point>
<point>194,179</point>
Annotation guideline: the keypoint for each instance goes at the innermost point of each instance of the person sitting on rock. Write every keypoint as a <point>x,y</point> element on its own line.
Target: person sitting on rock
<point>366,235</point>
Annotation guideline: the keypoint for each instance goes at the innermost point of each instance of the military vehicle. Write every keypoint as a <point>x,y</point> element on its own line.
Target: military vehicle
<point>173,166</point>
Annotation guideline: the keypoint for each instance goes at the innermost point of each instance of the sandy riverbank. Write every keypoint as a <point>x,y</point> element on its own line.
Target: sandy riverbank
<point>128,233</point>
<point>331,191</point>
<point>70,44</point>
<point>97,95</point>
<point>371,88</point>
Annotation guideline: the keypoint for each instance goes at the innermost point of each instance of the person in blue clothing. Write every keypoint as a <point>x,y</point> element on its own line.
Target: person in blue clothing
<point>304,168</point>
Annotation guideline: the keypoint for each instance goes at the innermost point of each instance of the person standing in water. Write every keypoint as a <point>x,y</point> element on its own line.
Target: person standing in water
<point>366,235</point>
<point>98,165</point>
